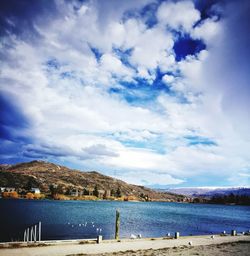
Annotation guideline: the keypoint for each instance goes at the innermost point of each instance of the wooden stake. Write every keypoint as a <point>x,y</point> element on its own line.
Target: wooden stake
<point>35,234</point>
<point>117,225</point>
<point>24,235</point>
<point>176,235</point>
<point>28,231</point>
<point>39,231</point>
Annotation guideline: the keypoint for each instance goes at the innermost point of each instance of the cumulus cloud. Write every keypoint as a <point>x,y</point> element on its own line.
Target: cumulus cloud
<point>179,16</point>
<point>107,91</point>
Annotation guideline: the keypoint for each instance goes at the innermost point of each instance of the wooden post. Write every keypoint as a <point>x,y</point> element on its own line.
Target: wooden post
<point>176,235</point>
<point>24,235</point>
<point>39,231</point>
<point>99,239</point>
<point>35,234</point>
<point>233,233</point>
<point>117,225</point>
<point>28,231</point>
<point>31,234</point>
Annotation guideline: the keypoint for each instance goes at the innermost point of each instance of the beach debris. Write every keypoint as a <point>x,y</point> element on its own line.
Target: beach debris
<point>190,243</point>
<point>132,236</point>
<point>168,234</point>
<point>212,236</point>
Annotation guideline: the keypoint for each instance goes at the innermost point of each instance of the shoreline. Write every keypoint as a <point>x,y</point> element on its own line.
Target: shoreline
<point>130,201</point>
<point>83,247</point>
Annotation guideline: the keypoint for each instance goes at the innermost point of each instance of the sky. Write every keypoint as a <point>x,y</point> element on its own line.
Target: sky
<point>155,93</point>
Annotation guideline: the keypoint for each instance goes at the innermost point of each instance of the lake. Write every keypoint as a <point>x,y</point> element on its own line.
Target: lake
<point>87,219</point>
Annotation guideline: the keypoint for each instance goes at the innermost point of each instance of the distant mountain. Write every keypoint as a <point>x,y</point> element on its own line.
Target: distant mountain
<point>208,192</point>
<point>42,175</point>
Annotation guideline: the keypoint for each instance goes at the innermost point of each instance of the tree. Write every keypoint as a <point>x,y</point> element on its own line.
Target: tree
<point>30,195</point>
<point>29,185</point>
<point>95,192</point>
<point>53,189</point>
<point>85,192</point>
<point>118,192</point>
<point>112,192</point>
<point>12,194</point>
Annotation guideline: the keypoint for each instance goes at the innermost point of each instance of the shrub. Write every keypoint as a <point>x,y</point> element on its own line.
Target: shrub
<point>29,195</point>
<point>12,194</point>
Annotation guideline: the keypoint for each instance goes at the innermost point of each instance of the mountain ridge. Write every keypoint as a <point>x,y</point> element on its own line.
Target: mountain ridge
<point>208,192</point>
<point>43,175</point>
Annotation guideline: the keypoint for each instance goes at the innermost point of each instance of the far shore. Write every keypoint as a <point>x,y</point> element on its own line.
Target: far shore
<point>188,245</point>
<point>119,200</point>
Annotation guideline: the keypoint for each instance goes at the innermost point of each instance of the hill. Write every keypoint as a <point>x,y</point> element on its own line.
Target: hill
<point>43,175</point>
<point>209,192</point>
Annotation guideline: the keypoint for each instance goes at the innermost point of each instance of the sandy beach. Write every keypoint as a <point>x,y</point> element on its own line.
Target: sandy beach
<point>200,245</point>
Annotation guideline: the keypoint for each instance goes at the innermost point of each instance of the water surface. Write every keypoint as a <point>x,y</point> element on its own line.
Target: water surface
<point>87,219</point>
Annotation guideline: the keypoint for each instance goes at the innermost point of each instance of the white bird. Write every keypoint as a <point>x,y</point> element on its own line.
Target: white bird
<point>139,236</point>
<point>132,236</point>
<point>80,225</point>
<point>190,243</point>
<point>212,237</point>
<point>100,230</point>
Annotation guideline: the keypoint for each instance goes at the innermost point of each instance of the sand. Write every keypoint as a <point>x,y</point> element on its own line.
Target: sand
<point>202,245</point>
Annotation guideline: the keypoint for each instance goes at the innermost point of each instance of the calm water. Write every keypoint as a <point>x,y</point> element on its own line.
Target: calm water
<point>73,219</point>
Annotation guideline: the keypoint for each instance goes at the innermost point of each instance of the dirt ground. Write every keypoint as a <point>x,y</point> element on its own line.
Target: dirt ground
<point>227,249</point>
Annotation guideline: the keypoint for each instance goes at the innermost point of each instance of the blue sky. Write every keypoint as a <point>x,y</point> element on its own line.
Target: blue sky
<point>152,92</point>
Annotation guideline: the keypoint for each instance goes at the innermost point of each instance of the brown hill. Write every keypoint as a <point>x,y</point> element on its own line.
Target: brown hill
<point>44,174</point>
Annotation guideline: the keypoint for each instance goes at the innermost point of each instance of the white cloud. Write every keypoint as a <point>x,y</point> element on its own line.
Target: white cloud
<point>149,179</point>
<point>168,79</point>
<point>179,15</point>
<point>207,31</point>
<point>112,64</point>
<point>73,114</point>
<point>153,45</point>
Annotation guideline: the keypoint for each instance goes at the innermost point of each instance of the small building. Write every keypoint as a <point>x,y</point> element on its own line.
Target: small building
<point>74,192</point>
<point>35,190</point>
<point>7,189</point>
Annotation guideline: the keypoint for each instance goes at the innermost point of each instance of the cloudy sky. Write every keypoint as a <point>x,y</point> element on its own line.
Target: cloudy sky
<point>152,92</point>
